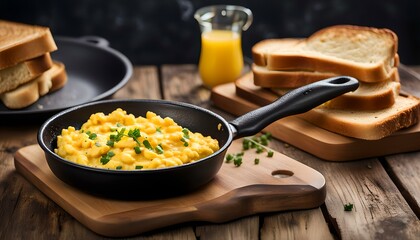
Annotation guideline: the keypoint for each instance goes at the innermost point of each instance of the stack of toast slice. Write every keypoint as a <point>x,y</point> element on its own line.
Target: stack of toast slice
<point>26,68</point>
<point>375,110</point>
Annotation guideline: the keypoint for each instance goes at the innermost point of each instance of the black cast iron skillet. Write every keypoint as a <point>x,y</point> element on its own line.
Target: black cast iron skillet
<point>187,177</point>
<point>94,70</point>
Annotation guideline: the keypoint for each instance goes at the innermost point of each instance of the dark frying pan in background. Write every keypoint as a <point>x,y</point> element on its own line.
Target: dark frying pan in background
<point>95,71</point>
<point>180,179</point>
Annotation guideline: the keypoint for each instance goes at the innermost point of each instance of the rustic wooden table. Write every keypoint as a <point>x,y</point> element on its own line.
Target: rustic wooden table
<point>385,191</point>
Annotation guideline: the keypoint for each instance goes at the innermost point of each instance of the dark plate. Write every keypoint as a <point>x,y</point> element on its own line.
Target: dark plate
<point>95,71</point>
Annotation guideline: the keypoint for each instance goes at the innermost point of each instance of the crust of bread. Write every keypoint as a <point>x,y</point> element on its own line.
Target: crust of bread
<point>368,125</point>
<point>261,49</point>
<point>21,42</point>
<point>313,53</point>
<point>60,77</point>
<point>30,92</point>
<point>286,79</point>
<point>291,61</point>
<point>12,77</point>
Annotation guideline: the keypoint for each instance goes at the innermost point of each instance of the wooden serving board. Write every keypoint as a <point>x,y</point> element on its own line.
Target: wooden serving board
<point>275,184</point>
<point>243,96</point>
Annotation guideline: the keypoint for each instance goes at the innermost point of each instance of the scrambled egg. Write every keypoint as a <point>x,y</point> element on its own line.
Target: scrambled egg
<point>122,141</point>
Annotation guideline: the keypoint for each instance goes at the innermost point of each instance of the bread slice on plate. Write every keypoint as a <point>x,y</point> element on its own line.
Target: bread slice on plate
<point>297,78</point>
<point>30,92</point>
<point>12,77</point>
<point>368,125</point>
<point>286,79</point>
<point>369,96</point>
<point>365,53</point>
<point>20,42</point>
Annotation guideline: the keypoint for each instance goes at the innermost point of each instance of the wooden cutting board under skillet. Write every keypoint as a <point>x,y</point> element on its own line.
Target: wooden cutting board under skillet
<point>276,183</point>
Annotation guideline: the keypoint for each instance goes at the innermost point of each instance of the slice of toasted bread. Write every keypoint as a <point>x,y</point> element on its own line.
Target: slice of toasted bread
<point>29,93</point>
<point>369,96</point>
<point>286,79</point>
<point>60,77</point>
<point>261,49</point>
<point>365,53</point>
<point>297,78</point>
<point>20,42</point>
<point>12,77</point>
<point>368,125</point>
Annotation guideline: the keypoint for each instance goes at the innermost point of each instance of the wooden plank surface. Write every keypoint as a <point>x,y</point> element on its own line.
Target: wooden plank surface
<point>404,169</point>
<point>385,191</point>
<point>302,224</point>
<point>380,211</point>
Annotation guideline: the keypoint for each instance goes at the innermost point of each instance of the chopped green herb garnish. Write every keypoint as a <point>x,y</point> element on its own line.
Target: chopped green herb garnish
<point>146,143</point>
<point>98,144</point>
<point>265,138</point>
<point>110,143</point>
<point>119,124</point>
<point>137,149</point>
<point>184,141</point>
<point>117,137</point>
<point>236,158</point>
<point>134,134</point>
<point>268,136</point>
<point>237,161</point>
<point>186,133</point>
<point>107,157</point>
<point>185,137</point>
<point>119,167</point>
<point>158,129</point>
<point>92,136</point>
<point>229,158</point>
<point>348,207</point>
<point>246,144</point>
<point>159,149</point>
<point>139,167</point>
<point>259,143</point>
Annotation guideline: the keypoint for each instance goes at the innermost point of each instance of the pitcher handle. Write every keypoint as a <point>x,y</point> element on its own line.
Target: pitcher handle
<point>249,19</point>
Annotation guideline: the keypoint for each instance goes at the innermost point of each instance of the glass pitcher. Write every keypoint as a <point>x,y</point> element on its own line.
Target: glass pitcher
<point>221,59</point>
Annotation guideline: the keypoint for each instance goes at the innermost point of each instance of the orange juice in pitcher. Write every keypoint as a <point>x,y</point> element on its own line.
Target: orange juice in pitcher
<point>221,59</point>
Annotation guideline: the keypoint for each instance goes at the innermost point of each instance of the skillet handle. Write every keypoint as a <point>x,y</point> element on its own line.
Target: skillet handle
<point>294,102</point>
